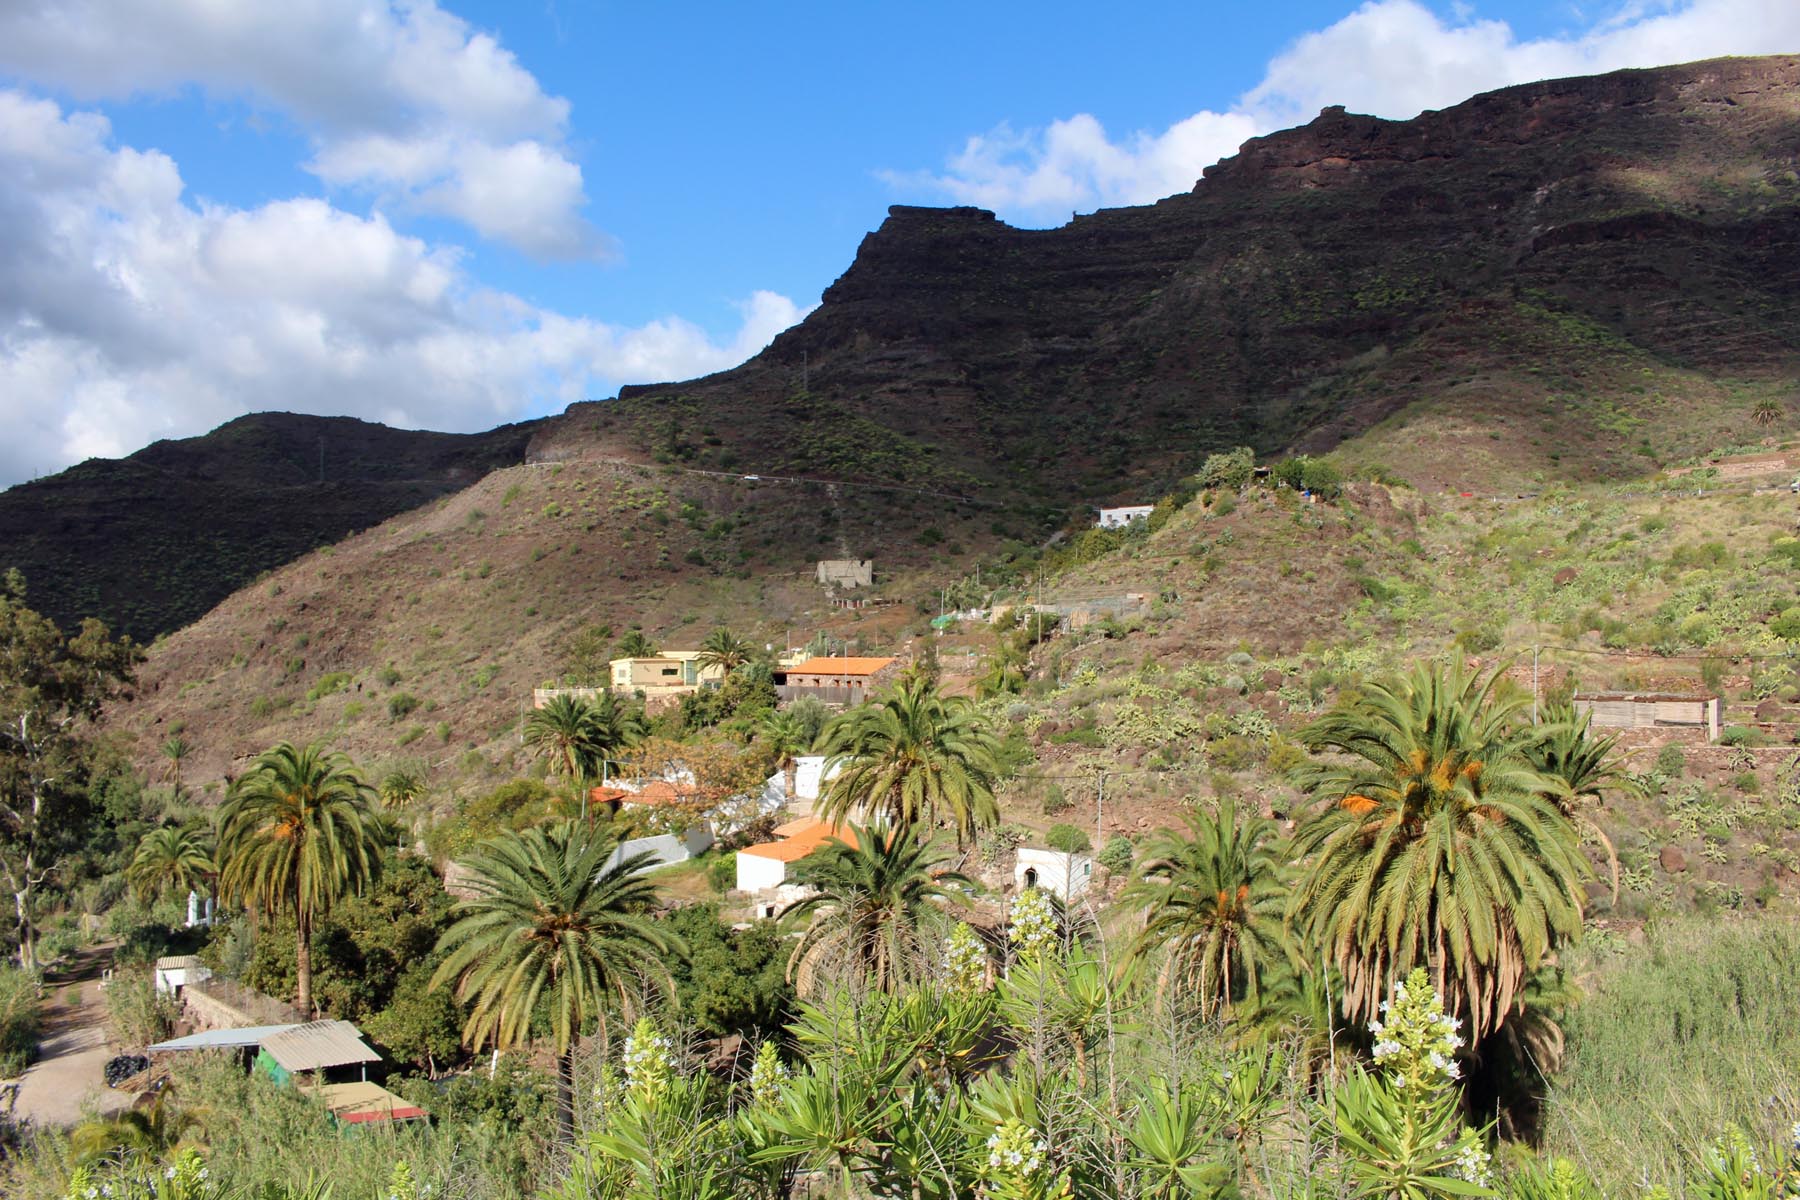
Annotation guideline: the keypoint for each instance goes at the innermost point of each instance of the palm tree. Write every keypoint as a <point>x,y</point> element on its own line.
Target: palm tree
<point>1566,750</point>
<point>554,924</point>
<point>297,834</point>
<point>878,896</point>
<point>913,756</point>
<point>636,644</point>
<point>725,650</point>
<point>1438,844</point>
<point>175,749</point>
<point>403,787</point>
<point>171,860</point>
<point>1213,900</point>
<point>563,732</point>
<point>785,735</point>
<point>1005,674</point>
<point>1766,412</point>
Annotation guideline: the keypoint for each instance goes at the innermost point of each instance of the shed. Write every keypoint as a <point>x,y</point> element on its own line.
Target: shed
<point>175,972</point>
<point>314,1046</point>
<point>834,680</point>
<point>1118,518</point>
<point>1062,875</point>
<point>1652,710</point>
<point>362,1103</point>
<point>763,870</point>
<point>220,1039</point>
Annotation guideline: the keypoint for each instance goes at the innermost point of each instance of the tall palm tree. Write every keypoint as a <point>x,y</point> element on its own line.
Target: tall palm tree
<point>552,922</point>
<point>171,860</point>
<point>785,735</point>
<point>636,644</point>
<point>577,735</point>
<point>298,834</point>
<point>1436,843</point>
<point>913,756</point>
<point>1213,901</point>
<point>725,650</point>
<point>175,749</point>
<point>1766,412</point>
<point>877,901</point>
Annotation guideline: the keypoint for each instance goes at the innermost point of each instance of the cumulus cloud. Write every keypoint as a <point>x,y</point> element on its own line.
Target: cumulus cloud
<point>1392,58</point>
<point>402,101</point>
<point>129,313</point>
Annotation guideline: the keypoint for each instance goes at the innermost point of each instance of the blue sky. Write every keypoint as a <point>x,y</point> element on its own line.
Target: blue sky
<point>452,214</point>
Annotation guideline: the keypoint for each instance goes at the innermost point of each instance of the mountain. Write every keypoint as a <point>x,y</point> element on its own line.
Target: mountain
<point>1606,265</point>
<point>1568,280</point>
<point>150,542</point>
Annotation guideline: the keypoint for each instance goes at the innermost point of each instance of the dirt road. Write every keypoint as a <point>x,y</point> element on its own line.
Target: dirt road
<point>58,1087</point>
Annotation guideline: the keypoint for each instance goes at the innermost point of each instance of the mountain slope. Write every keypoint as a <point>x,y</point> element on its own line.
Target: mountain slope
<point>150,542</point>
<point>1619,251</point>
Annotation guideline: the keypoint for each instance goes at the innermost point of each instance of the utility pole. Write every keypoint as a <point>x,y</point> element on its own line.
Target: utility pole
<point>1100,815</point>
<point>1534,685</point>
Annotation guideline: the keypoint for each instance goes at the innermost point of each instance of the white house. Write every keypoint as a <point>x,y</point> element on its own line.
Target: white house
<point>176,972</point>
<point>765,871</point>
<point>664,848</point>
<point>1064,876</point>
<point>810,778</point>
<point>1118,518</point>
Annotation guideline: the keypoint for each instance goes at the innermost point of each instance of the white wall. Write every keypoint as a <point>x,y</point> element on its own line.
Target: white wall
<point>1064,876</point>
<point>758,874</point>
<point>665,848</point>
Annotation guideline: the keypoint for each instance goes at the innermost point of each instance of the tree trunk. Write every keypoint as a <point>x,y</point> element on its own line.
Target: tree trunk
<point>565,1092</point>
<point>791,769</point>
<point>27,944</point>
<point>303,965</point>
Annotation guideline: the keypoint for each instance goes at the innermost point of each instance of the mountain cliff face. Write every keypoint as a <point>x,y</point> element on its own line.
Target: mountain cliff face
<point>1573,279</point>
<point>1614,253</point>
<point>150,542</point>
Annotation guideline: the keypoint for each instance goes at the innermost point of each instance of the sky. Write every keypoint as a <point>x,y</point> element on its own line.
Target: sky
<point>449,214</point>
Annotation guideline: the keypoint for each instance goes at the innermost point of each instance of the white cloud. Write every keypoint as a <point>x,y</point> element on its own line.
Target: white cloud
<point>401,100</point>
<point>127,313</point>
<point>1392,58</point>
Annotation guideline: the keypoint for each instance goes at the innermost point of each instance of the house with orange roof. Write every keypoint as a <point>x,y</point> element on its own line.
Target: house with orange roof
<point>836,680</point>
<point>765,871</point>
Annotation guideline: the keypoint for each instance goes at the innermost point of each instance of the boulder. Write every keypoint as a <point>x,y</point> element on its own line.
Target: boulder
<point>1673,859</point>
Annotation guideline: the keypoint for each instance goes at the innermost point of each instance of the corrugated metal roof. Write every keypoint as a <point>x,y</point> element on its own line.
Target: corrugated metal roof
<point>179,962</point>
<point>317,1045</point>
<point>222,1039</point>
<point>356,1103</point>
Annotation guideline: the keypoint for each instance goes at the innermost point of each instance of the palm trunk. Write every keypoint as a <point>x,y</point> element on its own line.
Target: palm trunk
<point>303,964</point>
<point>565,1092</point>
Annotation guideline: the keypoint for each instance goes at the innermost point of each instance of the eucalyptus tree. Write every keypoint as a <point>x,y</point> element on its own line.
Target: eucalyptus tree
<point>297,835</point>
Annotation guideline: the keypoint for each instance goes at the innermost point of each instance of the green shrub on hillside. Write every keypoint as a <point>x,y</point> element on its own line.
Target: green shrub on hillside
<point>329,685</point>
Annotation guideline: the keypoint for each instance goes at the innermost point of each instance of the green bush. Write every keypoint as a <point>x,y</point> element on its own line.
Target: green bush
<point>1787,625</point>
<point>1231,471</point>
<point>137,1014</point>
<point>401,704</point>
<point>1067,839</point>
<point>721,873</point>
<point>329,684</point>
<point>1671,761</point>
<point>18,1019</point>
<point>1735,735</point>
<point>1117,855</point>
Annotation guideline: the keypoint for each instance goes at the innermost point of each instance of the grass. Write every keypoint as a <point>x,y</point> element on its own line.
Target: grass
<point>1679,1040</point>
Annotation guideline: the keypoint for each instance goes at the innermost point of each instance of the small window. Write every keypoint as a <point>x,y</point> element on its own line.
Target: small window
<point>671,670</point>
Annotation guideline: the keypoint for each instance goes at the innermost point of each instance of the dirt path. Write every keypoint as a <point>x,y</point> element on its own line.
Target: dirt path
<point>69,1072</point>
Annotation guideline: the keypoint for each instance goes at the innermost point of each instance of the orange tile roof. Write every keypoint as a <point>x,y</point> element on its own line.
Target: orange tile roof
<point>802,842</point>
<point>840,666</point>
<point>790,828</point>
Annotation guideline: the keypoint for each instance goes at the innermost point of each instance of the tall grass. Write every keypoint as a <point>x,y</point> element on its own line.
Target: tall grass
<point>1676,1042</point>
<point>18,1019</point>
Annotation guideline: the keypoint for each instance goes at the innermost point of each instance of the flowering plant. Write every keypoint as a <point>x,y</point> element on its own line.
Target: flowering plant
<point>1032,925</point>
<point>1019,1166</point>
<point>965,961</point>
